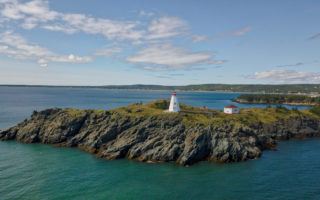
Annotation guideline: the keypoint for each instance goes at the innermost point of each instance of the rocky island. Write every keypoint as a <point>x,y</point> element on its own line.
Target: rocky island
<point>145,132</point>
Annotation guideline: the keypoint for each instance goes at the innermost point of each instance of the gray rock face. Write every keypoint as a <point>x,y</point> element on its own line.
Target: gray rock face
<point>112,135</point>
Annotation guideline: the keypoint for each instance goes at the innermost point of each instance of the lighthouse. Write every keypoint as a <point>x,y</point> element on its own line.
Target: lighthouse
<point>174,104</point>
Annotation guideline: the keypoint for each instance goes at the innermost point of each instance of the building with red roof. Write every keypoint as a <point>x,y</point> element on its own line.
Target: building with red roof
<point>231,109</point>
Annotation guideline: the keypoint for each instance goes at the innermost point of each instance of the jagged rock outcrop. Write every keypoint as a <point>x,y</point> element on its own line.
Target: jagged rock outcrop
<point>157,138</point>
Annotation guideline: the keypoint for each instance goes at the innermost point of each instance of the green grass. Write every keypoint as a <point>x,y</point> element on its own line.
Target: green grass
<point>315,110</point>
<point>75,112</point>
<point>191,116</point>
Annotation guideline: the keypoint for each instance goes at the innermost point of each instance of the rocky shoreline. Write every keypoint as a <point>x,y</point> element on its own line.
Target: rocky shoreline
<point>146,133</point>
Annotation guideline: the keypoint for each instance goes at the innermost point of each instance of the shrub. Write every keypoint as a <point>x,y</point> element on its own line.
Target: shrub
<point>160,104</point>
<point>315,110</point>
<point>280,108</point>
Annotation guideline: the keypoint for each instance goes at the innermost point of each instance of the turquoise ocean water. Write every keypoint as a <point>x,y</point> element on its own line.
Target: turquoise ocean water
<point>36,171</point>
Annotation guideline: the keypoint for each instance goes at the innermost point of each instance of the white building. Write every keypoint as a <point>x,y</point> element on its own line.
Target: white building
<point>232,109</point>
<point>174,104</point>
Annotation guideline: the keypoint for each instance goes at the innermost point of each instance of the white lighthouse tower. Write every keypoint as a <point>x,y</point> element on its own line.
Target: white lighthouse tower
<point>174,104</point>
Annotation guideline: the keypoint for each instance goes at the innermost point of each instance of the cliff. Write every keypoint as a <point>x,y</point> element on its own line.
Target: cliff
<point>147,133</point>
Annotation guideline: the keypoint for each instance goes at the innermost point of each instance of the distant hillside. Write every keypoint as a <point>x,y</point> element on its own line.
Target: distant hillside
<point>278,99</point>
<point>292,88</point>
<point>248,88</point>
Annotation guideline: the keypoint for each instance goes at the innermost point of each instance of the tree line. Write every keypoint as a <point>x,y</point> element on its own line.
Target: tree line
<point>278,99</point>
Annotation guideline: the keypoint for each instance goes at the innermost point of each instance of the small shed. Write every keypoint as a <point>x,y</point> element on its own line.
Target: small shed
<point>231,109</point>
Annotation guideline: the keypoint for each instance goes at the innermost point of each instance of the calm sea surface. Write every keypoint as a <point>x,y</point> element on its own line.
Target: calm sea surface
<point>35,171</point>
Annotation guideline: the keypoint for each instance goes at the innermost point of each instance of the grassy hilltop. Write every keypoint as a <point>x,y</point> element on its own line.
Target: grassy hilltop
<point>196,115</point>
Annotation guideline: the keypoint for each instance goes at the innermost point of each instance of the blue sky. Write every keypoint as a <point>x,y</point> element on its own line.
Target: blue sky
<point>168,42</point>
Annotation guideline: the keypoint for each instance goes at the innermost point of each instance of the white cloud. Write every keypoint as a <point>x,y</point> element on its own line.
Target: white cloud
<point>288,76</point>
<point>144,13</point>
<point>43,63</point>
<point>165,57</point>
<point>38,9</point>
<point>291,65</point>
<point>37,13</point>
<point>108,51</point>
<point>71,58</point>
<point>111,29</point>
<point>29,23</point>
<point>31,13</point>
<point>9,9</point>
<point>60,28</point>
<point>15,46</point>
<point>165,27</point>
<point>298,64</point>
<point>199,38</point>
<point>18,47</point>
<point>241,31</point>
<point>234,33</point>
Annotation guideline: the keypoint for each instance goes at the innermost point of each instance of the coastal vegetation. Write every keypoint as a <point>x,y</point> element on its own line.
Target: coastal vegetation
<point>148,133</point>
<point>315,110</point>
<point>191,116</point>
<point>278,99</point>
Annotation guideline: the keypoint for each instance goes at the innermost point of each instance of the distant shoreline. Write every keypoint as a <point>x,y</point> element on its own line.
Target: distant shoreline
<point>301,89</point>
<point>274,104</point>
<point>278,99</point>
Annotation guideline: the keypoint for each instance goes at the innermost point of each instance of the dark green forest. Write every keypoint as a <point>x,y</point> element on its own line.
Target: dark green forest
<point>278,99</point>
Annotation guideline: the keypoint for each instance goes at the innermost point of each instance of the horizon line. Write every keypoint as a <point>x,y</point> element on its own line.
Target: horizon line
<point>117,85</point>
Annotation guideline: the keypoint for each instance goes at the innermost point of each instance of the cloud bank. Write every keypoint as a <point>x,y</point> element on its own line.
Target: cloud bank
<point>287,76</point>
<point>36,14</point>
<point>166,56</point>
<point>15,46</point>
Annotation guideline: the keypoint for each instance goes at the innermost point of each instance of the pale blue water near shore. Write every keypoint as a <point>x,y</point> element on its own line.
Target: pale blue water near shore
<point>35,171</point>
